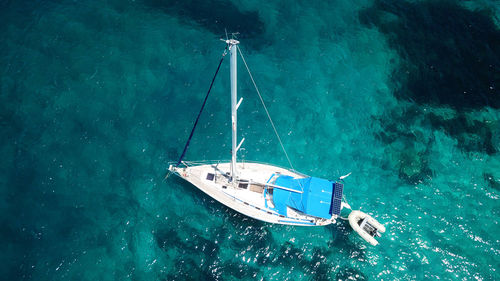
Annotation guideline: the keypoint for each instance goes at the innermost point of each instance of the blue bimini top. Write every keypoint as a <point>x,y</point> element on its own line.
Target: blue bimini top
<point>319,197</point>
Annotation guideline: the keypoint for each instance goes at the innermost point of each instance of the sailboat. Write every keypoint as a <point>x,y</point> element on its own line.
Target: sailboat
<point>268,192</point>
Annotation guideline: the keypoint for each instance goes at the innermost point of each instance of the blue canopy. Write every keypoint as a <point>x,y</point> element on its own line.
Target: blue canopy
<point>316,198</point>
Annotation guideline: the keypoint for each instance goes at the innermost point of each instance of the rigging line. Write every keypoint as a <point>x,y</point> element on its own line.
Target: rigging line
<point>265,108</point>
<point>201,110</point>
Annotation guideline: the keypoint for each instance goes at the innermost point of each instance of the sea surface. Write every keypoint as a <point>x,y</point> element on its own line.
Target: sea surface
<point>97,97</point>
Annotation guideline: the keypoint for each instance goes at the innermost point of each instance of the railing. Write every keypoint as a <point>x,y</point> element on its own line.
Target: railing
<point>207,162</point>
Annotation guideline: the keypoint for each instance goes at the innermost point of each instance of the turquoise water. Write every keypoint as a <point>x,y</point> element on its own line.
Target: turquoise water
<point>97,97</point>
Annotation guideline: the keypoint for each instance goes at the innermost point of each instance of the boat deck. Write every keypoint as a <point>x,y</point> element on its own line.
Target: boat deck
<point>248,194</point>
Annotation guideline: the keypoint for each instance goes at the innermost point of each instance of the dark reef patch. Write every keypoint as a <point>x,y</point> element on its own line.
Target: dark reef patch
<point>167,238</point>
<point>407,147</point>
<point>193,250</point>
<point>184,271</point>
<point>451,54</point>
<point>291,256</point>
<point>252,231</point>
<point>450,60</point>
<point>490,179</point>
<point>319,263</point>
<point>341,241</point>
<point>216,16</point>
<point>472,135</point>
<point>196,249</point>
<point>349,273</point>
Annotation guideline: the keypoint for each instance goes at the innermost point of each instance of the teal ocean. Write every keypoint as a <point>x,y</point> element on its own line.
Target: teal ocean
<point>96,97</point>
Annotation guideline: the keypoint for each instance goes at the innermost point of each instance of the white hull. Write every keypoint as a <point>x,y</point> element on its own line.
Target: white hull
<point>262,191</point>
<point>247,196</point>
<point>357,217</point>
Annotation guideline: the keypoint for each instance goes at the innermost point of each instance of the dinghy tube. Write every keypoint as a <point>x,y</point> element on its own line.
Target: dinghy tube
<point>366,226</point>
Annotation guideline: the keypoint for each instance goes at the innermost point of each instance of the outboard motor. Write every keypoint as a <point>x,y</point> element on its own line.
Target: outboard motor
<point>366,226</point>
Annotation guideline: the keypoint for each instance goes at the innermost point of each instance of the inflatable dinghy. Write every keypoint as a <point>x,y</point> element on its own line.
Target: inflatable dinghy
<point>366,226</point>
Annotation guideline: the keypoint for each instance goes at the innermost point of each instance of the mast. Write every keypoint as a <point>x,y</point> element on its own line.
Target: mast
<point>233,47</point>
